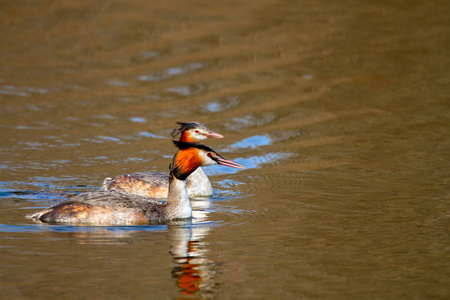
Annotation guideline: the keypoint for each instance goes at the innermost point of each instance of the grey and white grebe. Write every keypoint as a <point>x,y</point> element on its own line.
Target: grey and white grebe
<point>156,185</point>
<point>119,208</point>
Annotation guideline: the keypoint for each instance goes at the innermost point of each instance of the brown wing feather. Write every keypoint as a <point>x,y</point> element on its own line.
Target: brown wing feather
<point>148,184</point>
<point>97,208</point>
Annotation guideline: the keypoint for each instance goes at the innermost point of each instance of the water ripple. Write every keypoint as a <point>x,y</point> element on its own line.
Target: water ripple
<point>228,189</point>
<point>111,230</point>
<point>250,120</point>
<point>21,91</point>
<point>221,105</point>
<point>138,120</point>
<point>187,90</point>
<point>170,72</point>
<point>249,143</point>
<point>151,135</point>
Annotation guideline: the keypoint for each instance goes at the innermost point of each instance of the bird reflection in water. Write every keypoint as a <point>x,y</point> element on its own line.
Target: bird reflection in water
<point>193,271</point>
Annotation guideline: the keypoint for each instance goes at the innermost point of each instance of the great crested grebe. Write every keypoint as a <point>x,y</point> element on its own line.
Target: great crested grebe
<point>118,208</point>
<point>156,185</point>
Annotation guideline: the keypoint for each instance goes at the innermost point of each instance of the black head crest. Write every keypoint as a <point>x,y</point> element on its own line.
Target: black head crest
<point>185,145</point>
<point>188,125</point>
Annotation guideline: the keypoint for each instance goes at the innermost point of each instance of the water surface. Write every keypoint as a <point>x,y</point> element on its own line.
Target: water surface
<point>339,111</point>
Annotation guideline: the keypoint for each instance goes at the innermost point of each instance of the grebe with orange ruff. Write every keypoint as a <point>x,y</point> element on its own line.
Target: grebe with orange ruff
<point>156,185</point>
<point>119,208</point>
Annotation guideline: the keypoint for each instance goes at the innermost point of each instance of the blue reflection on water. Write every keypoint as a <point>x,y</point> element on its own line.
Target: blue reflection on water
<point>151,135</point>
<point>213,107</point>
<point>106,229</point>
<point>108,138</point>
<point>138,120</point>
<point>251,142</point>
<point>70,228</point>
<point>170,72</point>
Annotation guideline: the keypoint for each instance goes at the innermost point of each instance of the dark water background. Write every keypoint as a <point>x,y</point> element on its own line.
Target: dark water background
<point>339,110</point>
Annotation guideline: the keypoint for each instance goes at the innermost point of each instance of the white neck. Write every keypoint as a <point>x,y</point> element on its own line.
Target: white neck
<point>198,184</point>
<point>178,204</point>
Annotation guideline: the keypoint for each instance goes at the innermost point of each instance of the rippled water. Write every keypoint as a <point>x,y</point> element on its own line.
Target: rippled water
<point>339,111</point>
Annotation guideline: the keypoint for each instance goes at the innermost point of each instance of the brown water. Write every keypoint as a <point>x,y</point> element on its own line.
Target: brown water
<point>339,110</point>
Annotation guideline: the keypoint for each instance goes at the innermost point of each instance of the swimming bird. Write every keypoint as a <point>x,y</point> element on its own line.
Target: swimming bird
<point>119,208</point>
<point>155,185</point>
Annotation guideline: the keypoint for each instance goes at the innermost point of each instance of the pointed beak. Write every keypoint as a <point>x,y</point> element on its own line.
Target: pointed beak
<point>213,135</point>
<point>229,163</point>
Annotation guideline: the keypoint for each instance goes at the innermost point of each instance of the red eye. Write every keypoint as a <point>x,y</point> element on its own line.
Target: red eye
<point>209,154</point>
<point>197,131</point>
